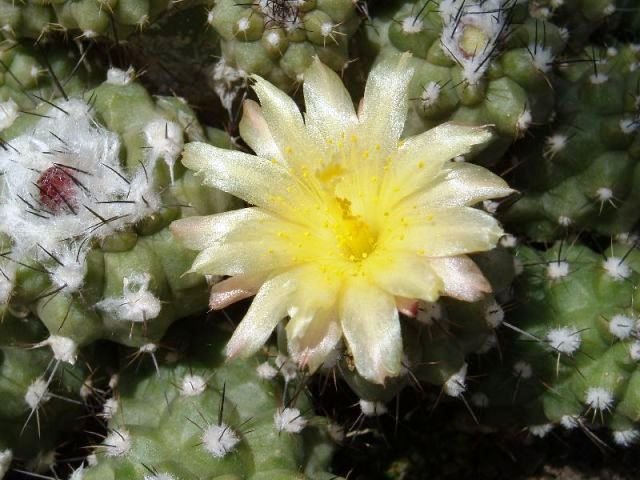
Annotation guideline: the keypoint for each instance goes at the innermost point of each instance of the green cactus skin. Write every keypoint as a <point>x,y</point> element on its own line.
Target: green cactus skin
<point>584,173</point>
<point>502,79</point>
<point>42,400</point>
<point>36,19</point>
<point>132,282</point>
<point>574,358</point>
<point>278,39</point>
<point>198,417</point>
<point>27,72</point>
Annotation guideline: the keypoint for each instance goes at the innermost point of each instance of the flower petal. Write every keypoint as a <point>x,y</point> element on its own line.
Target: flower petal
<point>421,158</point>
<point>239,258</point>
<point>329,108</point>
<point>268,308</point>
<point>254,179</point>
<point>255,131</point>
<point>461,277</point>
<point>464,184</point>
<point>312,337</point>
<point>200,232</point>
<point>371,326</point>
<point>383,110</point>
<point>405,275</point>
<point>445,232</point>
<point>234,289</point>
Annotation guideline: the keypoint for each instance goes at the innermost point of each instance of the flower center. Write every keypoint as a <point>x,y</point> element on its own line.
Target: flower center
<point>57,190</point>
<point>355,238</point>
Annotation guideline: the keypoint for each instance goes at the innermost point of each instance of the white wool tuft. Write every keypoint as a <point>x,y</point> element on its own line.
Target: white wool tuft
<point>494,314</point>
<point>219,440</point>
<point>266,371</point>
<point>58,181</point>
<point>64,349</point>
<point>37,394</point>
<point>117,443</point>
<point>542,57</point>
<point>110,408</point>
<point>289,420</point>
<point>616,268</point>
<point>116,76</point>
<point>569,421</point>
<point>565,340</point>
<point>626,438</point>
<point>599,398</point>
<point>372,409</point>
<point>137,304</point>
<point>522,369</point>
<point>621,326</point>
<point>165,140</point>
<point>554,144</point>
<point>192,385</point>
<point>6,457</point>
<point>557,270</point>
<point>456,383</point>
<point>487,18</point>
<point>540,431</point>
<point>412,24</point>
<point>430,94</point>
<point>228,82</point>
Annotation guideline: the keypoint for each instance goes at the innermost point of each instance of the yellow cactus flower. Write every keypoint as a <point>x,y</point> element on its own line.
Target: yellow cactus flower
<point>351,224</point>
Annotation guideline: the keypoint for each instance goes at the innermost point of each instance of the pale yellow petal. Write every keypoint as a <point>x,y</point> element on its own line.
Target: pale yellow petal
<point>234,289</point>
<point>237,258</point>
<point>421,158</point>
<point>445,233</point>
<point>463,184</point>
<point>461,277</point>
<point>329,108</point>
<point>383,110</point>
<point>255,131</point>
<point>371,327</point>
<point>200,232</point>
<point>268,308</point>
<point>285,124</point>
<point>254,179</point>
<point>312,336</point>
<point>404,275</point>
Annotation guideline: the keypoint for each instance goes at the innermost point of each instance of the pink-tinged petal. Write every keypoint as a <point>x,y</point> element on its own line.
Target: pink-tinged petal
<point>312,336</point>
<point>461,277</point>
<point>234,289</point>
<point>407,306</point>
<point>255,131</point>
<point>463,184</point>
<point>329,108</point>
<point>371,327</point>
<point>268,308</point>
<point>404,275</point>
<point>384,107</point>
<point>420,159</point>
<point>198,233</point>
<point>256,180</point>
<point>444,233</point>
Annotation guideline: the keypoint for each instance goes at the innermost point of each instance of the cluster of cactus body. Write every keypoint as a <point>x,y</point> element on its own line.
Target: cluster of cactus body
<point>94,289</point>
<point>574,361</point>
